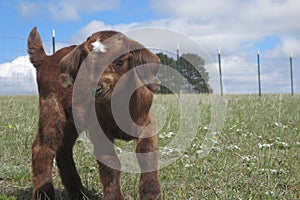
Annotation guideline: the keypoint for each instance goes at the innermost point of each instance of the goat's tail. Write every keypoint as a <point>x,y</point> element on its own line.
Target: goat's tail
<point>35,48</point>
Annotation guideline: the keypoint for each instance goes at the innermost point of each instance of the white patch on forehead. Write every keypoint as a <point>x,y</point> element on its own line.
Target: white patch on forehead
<point>99,46</point>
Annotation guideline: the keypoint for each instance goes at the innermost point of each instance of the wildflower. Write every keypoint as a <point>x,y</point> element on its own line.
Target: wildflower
<point>166,135</point>
<point>234,147</point>
<point>264,145</point>
<point>280,125</point>
<point>246,158</point>
<point>214,137</point>
<point>269,193</point>
<point>282,145</point>
<point>188,165</point>
<point>119,150</point>
<point>167,151</point>
<point>273,171</point>
<point>10,126</point>
<point>238,130</point>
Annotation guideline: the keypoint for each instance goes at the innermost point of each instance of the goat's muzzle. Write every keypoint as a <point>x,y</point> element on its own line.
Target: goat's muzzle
<point>103,92</point>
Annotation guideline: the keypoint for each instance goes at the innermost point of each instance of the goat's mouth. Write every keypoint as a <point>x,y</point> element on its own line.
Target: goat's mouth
<point>103,94</point>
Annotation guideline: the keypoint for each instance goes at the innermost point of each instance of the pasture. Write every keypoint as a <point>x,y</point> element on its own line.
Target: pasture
<point>256,156</point>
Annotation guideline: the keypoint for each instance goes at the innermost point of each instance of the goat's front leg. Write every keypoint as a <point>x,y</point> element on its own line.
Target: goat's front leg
<point>109,165</point>
<point>109,168</point>
<point>147,155</point>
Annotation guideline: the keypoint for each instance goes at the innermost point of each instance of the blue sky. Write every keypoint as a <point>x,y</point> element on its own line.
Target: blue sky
<point>21,16</point>
<point>239,28</point>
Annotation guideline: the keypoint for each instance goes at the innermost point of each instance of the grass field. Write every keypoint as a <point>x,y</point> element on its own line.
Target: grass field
<point>257,155</point>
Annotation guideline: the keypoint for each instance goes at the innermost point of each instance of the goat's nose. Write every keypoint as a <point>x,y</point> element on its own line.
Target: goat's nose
<point>99,88</point>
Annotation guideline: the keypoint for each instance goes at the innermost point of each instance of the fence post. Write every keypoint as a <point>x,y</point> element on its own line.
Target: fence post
<point>291,71</point>
<point>53,40</point>
<point>258,72</point>
<point>220,72</point>
<point>178,70</point>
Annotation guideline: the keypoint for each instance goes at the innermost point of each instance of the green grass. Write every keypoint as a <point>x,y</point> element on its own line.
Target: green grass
<point>257,155</point>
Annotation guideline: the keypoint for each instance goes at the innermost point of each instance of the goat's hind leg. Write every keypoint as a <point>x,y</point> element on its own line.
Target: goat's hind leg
<point>42,161</point>
<point>49,138</point>
<point>66,165</point>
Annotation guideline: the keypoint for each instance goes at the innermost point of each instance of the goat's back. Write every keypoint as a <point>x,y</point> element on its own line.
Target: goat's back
<point>48,68</point>
<point>48,73</point>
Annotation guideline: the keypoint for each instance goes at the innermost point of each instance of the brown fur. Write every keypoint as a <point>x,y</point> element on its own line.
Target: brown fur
<point>57,133</point>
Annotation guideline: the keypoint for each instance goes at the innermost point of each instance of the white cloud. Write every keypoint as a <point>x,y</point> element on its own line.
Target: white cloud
<point>18,77</point>
<point>191,30</point>
<point>286,47</point>
<point>234,24</point>
<point>239,71</point>
<point>28,9</point>
<point>235,14</point>
<point>63,11</point>
<point>95,26</point>
<point>66,10</point>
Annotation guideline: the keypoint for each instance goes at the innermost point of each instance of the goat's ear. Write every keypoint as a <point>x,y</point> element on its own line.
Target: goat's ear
<point>147,66</point>
<point>69,65</point>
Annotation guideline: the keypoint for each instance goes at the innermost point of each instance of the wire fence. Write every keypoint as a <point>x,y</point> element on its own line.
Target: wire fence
<point>258,74</point>
<point>251,74</point>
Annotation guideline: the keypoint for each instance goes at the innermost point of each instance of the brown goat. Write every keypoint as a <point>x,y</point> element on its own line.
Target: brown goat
<point>93,74</point>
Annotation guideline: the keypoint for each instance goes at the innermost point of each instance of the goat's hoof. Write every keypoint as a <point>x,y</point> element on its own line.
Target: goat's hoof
<point>45,192</point>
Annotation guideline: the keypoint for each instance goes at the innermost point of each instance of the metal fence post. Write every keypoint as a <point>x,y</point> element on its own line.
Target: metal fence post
<point>178,70</point>
<point>258,73</point>
<point>291,71</point>
<point>53,40</point>
<point>220,72</point>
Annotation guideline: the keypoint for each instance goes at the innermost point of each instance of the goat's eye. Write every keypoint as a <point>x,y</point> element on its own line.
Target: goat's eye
<point>119,64</point>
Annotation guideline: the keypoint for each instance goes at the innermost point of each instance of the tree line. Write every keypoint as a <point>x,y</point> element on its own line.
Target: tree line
<point>192,76</point>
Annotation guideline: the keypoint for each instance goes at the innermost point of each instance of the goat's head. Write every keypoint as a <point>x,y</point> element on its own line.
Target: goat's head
<point>106,57</point>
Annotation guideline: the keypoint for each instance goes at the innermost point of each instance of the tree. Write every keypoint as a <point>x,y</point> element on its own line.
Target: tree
<point>166,77</point>
<point>191,67</point>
